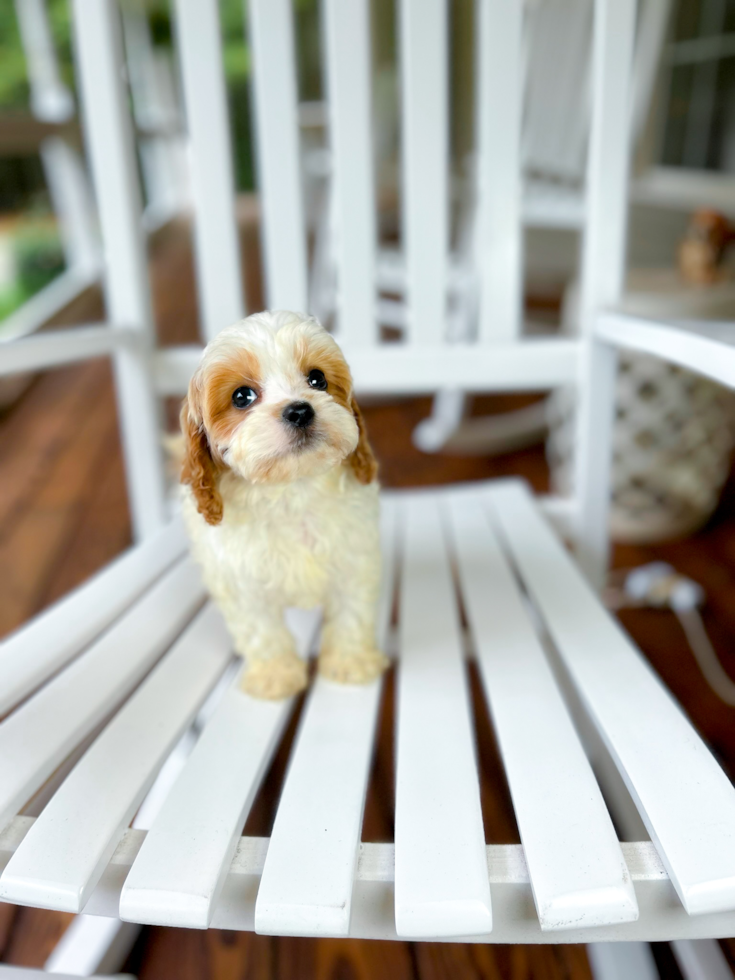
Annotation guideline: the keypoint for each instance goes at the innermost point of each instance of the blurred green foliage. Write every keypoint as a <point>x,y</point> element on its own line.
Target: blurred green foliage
<point>39,257</point>
<point>14,92</point>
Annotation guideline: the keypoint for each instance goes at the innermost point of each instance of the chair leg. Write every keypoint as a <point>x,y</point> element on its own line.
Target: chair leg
<point>701,959</point>
<point>448,428</point>
<point>622,961</point>
<point>93,944</point>
<point>447,413</point>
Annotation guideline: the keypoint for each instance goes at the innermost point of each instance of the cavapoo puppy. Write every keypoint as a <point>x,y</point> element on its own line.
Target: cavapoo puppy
<point>280,499</point>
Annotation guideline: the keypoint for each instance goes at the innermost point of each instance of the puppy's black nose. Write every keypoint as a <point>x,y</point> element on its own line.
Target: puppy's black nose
<point>300,414</point>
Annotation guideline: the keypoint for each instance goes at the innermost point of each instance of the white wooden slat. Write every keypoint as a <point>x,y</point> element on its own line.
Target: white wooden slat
<point>66,851</point>
<point>498,235</point>
<point>216,239</point>
<point>574,858</point>
<point>37,737</point>
<point>277,142</point>
<point>441,873</point>
<point>347,34</point>
<point>39,648</point>
<point>424,193</point>
<point>685,799</point>
<point>306,888</point>
<point>515,916</point>
<point>110,144</point>
<point>177,878</point>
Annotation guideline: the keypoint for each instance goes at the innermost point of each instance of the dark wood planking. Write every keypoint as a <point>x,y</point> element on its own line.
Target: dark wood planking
<point>33,936</point>
<point>62,436</point>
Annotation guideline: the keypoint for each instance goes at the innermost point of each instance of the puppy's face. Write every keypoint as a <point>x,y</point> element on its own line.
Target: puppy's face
<point>272,401</point>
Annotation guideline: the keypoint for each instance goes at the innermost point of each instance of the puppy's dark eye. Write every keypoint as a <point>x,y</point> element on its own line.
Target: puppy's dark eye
<point>317,380</point>
<point>244,397</point>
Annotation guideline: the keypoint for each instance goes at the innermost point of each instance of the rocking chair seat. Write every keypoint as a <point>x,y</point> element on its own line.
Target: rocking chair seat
<point>108,689</point>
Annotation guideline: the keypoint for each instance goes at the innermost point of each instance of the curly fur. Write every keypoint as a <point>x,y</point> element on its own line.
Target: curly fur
<point>280,518</point>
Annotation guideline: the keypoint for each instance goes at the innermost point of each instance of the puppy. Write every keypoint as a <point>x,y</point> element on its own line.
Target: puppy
<point>280,499</point>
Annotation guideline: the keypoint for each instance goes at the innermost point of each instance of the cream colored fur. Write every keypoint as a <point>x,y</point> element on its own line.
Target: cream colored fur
<point>309,541</point>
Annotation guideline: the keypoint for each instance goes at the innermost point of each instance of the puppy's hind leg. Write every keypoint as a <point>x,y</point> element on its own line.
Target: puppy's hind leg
<point>273,669</point>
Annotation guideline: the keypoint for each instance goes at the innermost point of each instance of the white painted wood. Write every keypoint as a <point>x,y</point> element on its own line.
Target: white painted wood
<point>532,365</point>
<point>425,158</point>
<point>653,25</point>
<point>685,799</point>
<point>158,117</point>
<point>687,190</point>
<point>109,139</point>
<point>576,866</point>
<point>21,973</point>
<point>447,414</point>
<point>701,959</point>
<point>277,143</point>
<point>622,961</point>
<point>37,737</point>
<point>71,200</point>
<point>59,347</point>
<point>217,246</point>
<point>515,916</point>
<point>603,268</point>
<point>348,76</point>
<point>707,347</point>
<point>97,944</point>
<point>306,888</point>
<point>39,648</point>
<point>441,876</point>
<point>91,945</point>
<point>548,205</point>
<point>181,869</point>
<point>50,97</point>
<point>497,253</point>
<point>63,166</point>
<point>68,847</point>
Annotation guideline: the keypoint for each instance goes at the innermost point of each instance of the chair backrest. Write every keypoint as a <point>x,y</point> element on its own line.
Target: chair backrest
<point>490,352</point>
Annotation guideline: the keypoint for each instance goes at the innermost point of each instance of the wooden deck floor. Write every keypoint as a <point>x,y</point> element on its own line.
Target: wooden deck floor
<point>63,514</point>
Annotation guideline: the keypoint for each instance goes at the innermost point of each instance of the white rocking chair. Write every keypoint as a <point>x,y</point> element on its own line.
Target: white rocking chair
<point>98,691</point>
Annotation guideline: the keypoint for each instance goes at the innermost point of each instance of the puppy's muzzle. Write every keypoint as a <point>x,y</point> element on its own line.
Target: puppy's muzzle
<point>299,414</point>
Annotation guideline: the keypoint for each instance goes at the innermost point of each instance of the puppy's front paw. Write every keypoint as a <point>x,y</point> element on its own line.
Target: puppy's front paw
<point>276,678</point>
<point>352,668</point>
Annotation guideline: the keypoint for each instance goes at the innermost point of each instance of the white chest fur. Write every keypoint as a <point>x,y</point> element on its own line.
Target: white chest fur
<point>299,541</point>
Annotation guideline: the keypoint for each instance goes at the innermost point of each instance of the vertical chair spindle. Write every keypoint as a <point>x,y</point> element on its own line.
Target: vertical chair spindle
<point>347,32</point>
<point>217,248</point>
<point>109,139</point>
<point>498,236</point>
<point>279,159</point>
<point>425,200</point>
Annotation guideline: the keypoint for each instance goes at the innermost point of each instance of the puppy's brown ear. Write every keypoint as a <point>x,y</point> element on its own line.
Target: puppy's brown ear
<point>363,463</point>
<point>199,469</point>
